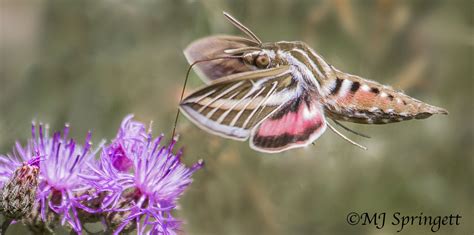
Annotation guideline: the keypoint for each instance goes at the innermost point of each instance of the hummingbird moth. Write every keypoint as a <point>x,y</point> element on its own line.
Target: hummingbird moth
<point>280,95</point>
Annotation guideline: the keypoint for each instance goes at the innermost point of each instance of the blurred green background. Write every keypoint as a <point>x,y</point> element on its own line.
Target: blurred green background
<point>90,63</point>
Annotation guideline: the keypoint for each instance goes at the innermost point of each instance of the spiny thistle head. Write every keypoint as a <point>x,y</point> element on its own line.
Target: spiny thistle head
<point>18,195</point>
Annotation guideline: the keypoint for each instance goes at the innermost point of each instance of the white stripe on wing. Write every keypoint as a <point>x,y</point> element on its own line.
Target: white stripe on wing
<point>275,83</point>
<point>236,118</point>
<point>220,95</point>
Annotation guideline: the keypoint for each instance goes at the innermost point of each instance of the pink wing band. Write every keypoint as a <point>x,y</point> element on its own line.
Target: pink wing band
<point>294,125</point>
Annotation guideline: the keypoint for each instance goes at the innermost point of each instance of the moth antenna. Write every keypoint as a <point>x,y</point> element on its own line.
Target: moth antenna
<point>186,82</point>
<point>345,138</point>
<point>242,27</point>
<point>350,130</point>
<point>241,50</point>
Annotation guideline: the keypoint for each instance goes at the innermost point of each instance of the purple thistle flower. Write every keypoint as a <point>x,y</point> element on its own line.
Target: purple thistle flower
<point>144,196</point>
<point>135,184</point>
<point>130,140</point>
<point>61,162</point>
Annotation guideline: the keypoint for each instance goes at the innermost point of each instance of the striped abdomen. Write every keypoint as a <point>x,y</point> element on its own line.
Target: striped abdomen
<point>352,98</point>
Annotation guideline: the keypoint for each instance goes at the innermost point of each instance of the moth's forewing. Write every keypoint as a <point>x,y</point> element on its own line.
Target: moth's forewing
<point>233,106</point>
<point>213,47</point>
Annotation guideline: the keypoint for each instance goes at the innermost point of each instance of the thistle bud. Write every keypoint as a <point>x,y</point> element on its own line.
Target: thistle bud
<point>18,195</point>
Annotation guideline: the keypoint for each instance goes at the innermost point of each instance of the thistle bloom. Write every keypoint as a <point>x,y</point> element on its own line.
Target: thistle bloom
<point>130,140</point>
<point>134,185</point>
<point>61,161</point>
<point>143,195</point>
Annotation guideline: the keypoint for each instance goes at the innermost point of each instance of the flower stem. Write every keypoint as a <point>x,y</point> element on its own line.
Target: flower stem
<point>5,225</point>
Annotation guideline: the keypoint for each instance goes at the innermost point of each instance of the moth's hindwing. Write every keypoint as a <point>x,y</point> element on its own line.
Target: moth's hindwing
<point>296,124</point>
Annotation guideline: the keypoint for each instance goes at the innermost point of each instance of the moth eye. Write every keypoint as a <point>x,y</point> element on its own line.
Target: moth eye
<point>248,59</point>
<point>262,61</point>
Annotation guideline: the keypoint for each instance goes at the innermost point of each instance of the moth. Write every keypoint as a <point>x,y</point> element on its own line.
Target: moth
<point>280,95</point>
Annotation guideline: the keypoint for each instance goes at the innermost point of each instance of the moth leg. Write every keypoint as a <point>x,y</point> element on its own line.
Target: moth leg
<point>346,138</point>
<point>350,130</point>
